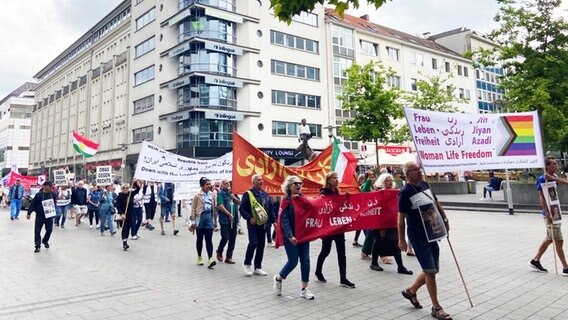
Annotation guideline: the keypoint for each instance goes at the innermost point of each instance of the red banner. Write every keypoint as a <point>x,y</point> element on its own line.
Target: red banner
<point>248,160</point>
<point>394,150</point>
<point>27,181</point>
<point>329,215</point>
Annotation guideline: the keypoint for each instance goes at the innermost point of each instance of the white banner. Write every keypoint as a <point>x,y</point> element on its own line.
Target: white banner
<point>60,178</point>
<point>460,141</point>
<point>155,164</point>
<point>104,176</point>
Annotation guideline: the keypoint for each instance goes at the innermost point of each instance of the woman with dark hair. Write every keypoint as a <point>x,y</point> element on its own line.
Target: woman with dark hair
<point>286,232</point>
<point>204,220</point>
<point>331,187</point>
<point>125,207</point>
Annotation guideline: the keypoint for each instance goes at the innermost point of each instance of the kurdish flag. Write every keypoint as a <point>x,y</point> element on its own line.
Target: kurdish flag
<point>343,162</point>
<point>84,146</point>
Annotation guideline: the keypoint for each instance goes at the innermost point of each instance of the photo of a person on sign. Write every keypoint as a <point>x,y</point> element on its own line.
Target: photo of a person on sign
<point>555,210</point>
<point>433,222</point>
<point>552,193</point>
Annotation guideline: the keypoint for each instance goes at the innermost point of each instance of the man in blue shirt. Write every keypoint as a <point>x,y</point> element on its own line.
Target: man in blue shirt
<point>167,204</point>
<point>553,231</point>
<point>16,194</point>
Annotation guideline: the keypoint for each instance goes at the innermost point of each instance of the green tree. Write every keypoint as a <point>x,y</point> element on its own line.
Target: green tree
<point>374,104</point>
<point>432,93</point>
<point>533,51</point>
<point>286,9</point>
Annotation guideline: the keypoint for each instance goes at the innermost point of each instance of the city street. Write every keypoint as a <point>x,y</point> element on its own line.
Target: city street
<point>86,276</point>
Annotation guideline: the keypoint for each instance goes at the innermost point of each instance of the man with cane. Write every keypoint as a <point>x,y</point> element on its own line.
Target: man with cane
<point>414,195</point>
<point>553,231</point>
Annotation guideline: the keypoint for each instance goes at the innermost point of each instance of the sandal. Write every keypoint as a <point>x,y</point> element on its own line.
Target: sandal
<point>440,316</point>
<point>412,298</point>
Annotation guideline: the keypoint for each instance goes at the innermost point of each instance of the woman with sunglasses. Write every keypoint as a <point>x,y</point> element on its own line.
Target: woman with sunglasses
<point>295,251</point>
<point>125,207</point>
<point>331,187</point>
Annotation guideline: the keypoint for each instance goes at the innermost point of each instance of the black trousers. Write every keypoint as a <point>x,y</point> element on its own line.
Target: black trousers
<point>228,235</point>
<point>326,249</point>
<point>150,210</point>
<point>127,225</point>
<point>40,222</point>
<point>206,234</point>
<point>256,235</point>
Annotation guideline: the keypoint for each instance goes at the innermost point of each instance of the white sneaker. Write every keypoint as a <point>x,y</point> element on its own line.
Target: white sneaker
<point>277,285</point>
<point>482,199</point>
<point>248,270</point>
<point>259,272</point>
<point>271,244</point>
<point>307,294</point>
<point>91,227</point>
<point>134,238</point>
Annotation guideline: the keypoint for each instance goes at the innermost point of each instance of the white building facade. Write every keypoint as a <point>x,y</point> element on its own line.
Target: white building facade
<point>15,128</point>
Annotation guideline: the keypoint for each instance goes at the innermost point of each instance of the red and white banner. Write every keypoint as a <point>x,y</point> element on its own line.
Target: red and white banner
<point>395,150</point>
<point>27,181</point>
<point>330,215</point>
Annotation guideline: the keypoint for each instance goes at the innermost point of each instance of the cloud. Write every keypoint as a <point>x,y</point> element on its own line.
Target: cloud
<point>34,32</point>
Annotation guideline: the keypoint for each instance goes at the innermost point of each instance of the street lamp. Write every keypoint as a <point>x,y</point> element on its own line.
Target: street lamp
<point>123,148</point>
<point>48,163</point>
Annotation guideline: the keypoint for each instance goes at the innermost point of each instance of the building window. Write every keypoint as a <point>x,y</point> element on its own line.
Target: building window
<point>144,75</point>
<point>307,18</point>
<point>416,59</point>
<point>447,64</point>
<point>393,81</point>
<point>144,104</point>
<point>340,65</point>
<point>20,114</point>
<point>467,95</point>
<point>201,132</point>
<point>434,63</point>
<point>10,126</point>
<point>296,99</point>
<point>290,41</point>
<point>200,59</point>
<point>199,94</point>
<point>290,129</point>
<point>144,47</point>
<point>393,54</point>
<point>413,84</point>
<point>143,134</point>
<point>145,19</point>
<point>461,93</point>
<point>23,148</point>
<point>343,41</point>
<point>476,74</point>
<point>369,48</point>
<point>25,127</point>
<point>460,73</point>
<point>465,72</point>
<point>294,70</point>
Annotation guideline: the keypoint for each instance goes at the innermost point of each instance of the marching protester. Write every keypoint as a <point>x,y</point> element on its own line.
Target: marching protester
<point>331,187</point>
<point>167,205</point>
<point>150,195</point>
<point>93,203</point>
<point>138,209</point>
<point>295,251</point>
<point>15,196</point>
<point>414,193</point>
<point>253,204</point>
<point>553,231</point>
<point>43,204</point>
<point>228,219</point>
<point>62,205</point>
<point>107,210</point>
<point>79,201</point>
<point>204,221</point>
<point>386,240</point>
<point>274,206</point>
<point>125,207</point>
<point>368,186</point>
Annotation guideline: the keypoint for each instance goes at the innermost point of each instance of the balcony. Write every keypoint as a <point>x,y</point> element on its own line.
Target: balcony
<point>228,5</point>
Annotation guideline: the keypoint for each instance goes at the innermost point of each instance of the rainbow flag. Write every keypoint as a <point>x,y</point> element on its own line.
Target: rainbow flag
<point>521,140</point>
<point>84,146</point>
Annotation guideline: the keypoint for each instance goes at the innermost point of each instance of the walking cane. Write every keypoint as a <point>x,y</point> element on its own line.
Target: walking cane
<point>460,272</point>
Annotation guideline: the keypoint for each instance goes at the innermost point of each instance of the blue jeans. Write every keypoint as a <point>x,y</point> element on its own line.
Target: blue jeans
<point>106,220</point>
<point>256,243</point>
<point>427,254</point>
<point>138,216</point>
<point>15,206</point>
<point>61,212</point>
<point>294,253</point>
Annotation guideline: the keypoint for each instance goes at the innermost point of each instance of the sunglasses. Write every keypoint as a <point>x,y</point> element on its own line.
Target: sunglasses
<point>298,184</point>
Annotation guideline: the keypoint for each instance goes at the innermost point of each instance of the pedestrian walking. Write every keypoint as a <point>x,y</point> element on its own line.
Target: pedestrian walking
<point>62,205</point>
<point>43,204</point>
<point>204,220</point>
<point>79,201</point>
<point>125,207</point>
<point>15,195</point>
<point>228,220</point>
<point>150,192</point>
<point>107,210</point>
<point>167,206</point>
<point>138,209</point>
<point>295,251</point>
<point>93,203</point>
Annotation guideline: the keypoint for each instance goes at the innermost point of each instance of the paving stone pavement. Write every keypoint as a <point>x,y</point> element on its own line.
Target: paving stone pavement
<point>86,276</point>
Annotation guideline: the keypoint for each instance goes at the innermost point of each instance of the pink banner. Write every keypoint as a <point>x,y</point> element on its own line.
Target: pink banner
<point>27,181</point>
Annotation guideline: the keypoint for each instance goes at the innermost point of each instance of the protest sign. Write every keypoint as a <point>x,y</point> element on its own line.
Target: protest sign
<point>329,215</point>
<point>155,164</point>
<point>461,141</point>
<point>104,176</point>
<point>60,178</point>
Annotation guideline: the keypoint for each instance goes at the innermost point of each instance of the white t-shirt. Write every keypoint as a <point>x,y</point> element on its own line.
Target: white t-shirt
<point>305,130</point>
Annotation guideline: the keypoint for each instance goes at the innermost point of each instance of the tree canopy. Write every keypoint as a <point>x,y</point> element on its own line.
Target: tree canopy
<point>286,9</point>
<point>533,39</point>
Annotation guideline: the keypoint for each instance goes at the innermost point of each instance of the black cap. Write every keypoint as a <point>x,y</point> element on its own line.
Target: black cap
<point>48,184</point>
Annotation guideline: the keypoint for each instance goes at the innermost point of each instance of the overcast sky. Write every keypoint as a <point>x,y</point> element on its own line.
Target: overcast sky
<point>34,32</point>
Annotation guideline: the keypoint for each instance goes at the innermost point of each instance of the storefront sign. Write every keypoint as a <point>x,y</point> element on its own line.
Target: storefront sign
<point>224,115</point>
<point>179,49</point>
<point>395,150</point>
<point>225,48</point>
<point>177,117</point>
<point>283,153</point>
<point>223,81</point>
<point>179,83</point>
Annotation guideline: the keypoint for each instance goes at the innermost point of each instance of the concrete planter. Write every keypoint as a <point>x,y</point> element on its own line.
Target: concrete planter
<point>525,193</point>
<point>453,187</point>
